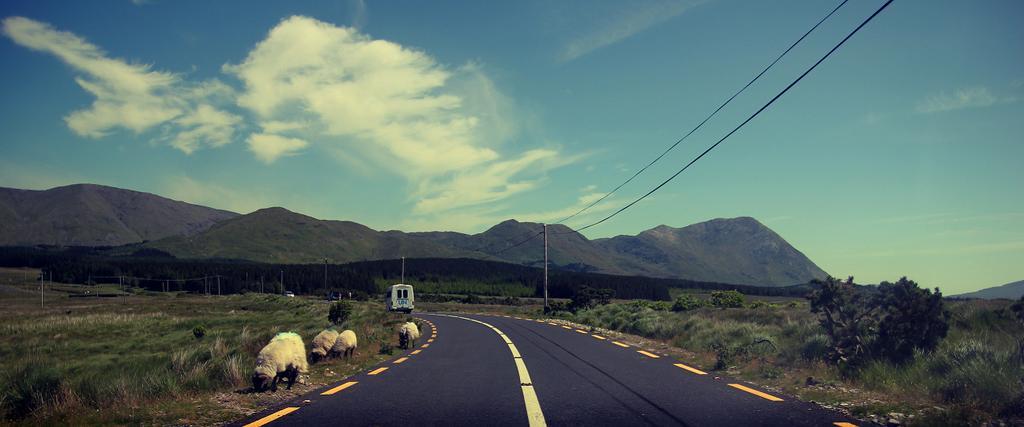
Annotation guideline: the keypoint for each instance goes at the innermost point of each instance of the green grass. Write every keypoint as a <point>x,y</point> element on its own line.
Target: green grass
<point>976,373</point>
<point>141,361</point>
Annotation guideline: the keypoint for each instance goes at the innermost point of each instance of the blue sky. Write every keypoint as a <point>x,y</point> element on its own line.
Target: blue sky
<point>898,156</point>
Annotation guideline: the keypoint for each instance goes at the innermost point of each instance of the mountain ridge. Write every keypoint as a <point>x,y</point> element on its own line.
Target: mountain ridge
<point>726,250</point>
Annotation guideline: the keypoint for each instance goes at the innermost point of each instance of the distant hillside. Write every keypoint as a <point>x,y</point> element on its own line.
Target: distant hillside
<point>95,215</point>
<point>1009,291</point>
<point>737,250</point>
<point>277,235</point>
<point>740,250</point>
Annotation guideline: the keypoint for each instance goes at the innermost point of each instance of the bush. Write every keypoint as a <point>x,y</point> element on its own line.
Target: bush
<point>199,331</point>
<point>727,299</point>
<point>815,348</point>
<point>911,319</point>
<point>340,312</point>
<point>844,312</point>
<point>686,303</point>
<point>386,348</point>
<point>1018,309</point>
<point>586,297</point>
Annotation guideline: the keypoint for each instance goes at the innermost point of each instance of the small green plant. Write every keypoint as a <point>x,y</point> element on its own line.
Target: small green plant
<point>199,331</point>
<point>727,299</point>
<point>340,312</point>
<point>386,348</point>
<point>686,303</point>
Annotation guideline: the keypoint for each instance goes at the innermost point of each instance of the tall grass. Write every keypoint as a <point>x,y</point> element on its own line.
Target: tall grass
<point>977,371</point>
<point>114,355</point>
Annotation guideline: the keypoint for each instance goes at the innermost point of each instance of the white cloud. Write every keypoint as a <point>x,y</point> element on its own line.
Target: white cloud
<point>378,102</point>
<point>622,24</point>
<point>130,96</point>
<point>976,97</point>
<point>269,147</point>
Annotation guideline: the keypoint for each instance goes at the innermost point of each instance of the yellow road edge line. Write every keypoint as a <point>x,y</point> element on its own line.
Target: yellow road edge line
<point>581,331</point>
<point>339,388</point>
<point>566,327</point>
<point>430,340</point>
<point>620,344</point>
<point>425,346</point>
<point>416,352</point>
<point>552,323</point>
<point>377,371</point>
<point>267,419</point>
<point>401,359</point>
<point>648,354</point>
<point>844,424</point>
<point>534,413</point>
<point>599,337</point>
<point>755,392</point>
<point>691,369</point>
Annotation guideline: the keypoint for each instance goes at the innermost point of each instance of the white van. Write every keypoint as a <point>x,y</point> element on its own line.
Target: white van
<point>399,298</point>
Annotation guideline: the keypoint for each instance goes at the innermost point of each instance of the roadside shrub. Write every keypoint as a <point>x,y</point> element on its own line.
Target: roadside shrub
<point>199,331</point>
<point>815,348</point>
<point>911,318</point>
<point>727,299</point>
<point>386,348</point>
<point>1018,309</point>
<point>28,389</point>
<point>340,312</point>
<point>686,303</point>
<point>844,312</point>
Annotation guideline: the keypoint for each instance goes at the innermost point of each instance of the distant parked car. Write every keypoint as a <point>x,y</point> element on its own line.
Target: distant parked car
<point>289,294</point>
<point>334,296</point>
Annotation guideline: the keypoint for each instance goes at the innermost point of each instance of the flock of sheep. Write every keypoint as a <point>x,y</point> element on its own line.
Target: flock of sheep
<point>284,358</point>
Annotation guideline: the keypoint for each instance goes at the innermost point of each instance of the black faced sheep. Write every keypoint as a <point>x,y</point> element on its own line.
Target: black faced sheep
<point>283,358</point>
<point>322,344</point>
<point>408,334</point>
<point>346,343</point>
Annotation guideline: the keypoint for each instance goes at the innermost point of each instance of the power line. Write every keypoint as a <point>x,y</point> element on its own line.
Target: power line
<point>765,106</point>
<point>713,113</point>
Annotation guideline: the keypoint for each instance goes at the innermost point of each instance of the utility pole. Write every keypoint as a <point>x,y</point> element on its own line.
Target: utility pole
<point>325,277</point>
<point>41,275</point>
<point>546,308</point>
<point>282,280</point>
<point>261,285</point>
<point>218,285</point>
<point>403,270</point>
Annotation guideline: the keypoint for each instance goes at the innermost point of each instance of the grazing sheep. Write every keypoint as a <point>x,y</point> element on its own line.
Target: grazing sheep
<point>408,334</point>
<point>283,358</point>
<point>322,344</point>
<point>346,343</point>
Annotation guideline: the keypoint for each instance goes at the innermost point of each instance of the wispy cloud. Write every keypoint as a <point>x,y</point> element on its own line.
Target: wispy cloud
<point>129,96</point>
<point>622,24</point>
<point>974,97</point>
<point>310,84</point>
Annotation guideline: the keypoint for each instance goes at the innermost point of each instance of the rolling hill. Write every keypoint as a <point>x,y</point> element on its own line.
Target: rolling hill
<point>1008,291</point>
<point>96,215</point>
<point>733,250</point>
<point>738,250</point>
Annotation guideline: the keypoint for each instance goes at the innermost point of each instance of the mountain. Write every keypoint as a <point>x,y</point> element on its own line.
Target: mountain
<point>95,215</point>
<point>738,250</point>
<point>1009,291</point>
<point>278,235</point>
<point>734,250</point>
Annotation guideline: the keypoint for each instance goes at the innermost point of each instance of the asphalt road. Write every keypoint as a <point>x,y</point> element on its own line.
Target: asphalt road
<point>499,371</point>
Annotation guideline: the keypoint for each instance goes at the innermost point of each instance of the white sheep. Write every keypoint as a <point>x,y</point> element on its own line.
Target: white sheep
<point>283,358</point>
<point>322,344</point>
<point>346,343</point>
<point>408,334</point>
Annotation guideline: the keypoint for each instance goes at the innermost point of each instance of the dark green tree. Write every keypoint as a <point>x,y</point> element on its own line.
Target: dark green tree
<point>845,313</point>
<point>910,318</point>
<point>727,299</point>
<point>340,312</point>
<point>686,303</point>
